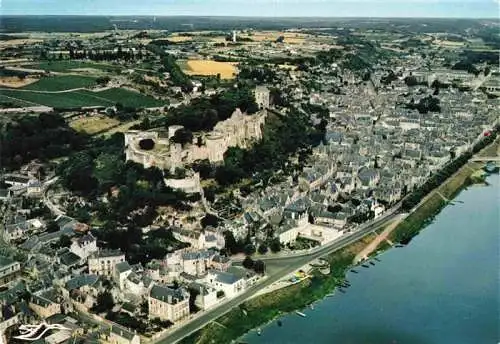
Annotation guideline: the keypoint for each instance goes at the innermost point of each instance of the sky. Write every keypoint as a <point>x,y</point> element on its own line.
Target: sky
<point>259,8</point>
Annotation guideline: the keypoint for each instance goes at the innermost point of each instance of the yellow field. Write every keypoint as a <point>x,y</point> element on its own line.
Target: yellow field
<point>227,70</point>
<point>15,82</point>
<point>271,36</point>
<point>15,42</point>
<point>93,124</point>
<point>449,43</point>
<point>178,39</point>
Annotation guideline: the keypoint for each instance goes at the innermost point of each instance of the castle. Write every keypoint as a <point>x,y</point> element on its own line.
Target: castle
<point>240,130</point>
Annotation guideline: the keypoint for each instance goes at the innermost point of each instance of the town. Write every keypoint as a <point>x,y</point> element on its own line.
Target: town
<point>154,177</point>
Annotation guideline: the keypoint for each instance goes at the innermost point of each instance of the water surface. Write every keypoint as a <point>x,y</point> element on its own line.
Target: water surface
<point>442,288</point>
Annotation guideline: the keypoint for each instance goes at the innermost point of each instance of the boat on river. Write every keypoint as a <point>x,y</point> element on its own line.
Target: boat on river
<point>301,314</point>
<point>365,265</point>
<point>280,323</point>
<point>377,259</point>
<point>354,271</point>
<point>259,331</point>
<point>372,263</point>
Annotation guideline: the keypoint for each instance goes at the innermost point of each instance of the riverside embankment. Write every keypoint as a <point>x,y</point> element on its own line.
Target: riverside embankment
<point>265,308</point>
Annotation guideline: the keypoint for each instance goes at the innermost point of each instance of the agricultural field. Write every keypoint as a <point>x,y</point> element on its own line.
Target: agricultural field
<point>227,70</point>
<point>83,98</point>
<point>93,124</point>
<point>128,98</point>
<point>272,36</point>
<point>61,83</point>
<point>15,81</point>
<point>71,65</point>
<point>8,102</point>
<point>73,99</point>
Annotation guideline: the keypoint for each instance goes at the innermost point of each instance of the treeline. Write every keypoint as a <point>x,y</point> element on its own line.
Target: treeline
<point>43,137</point>
<point>177,76</point>
<point>202,114</point>
<point>283,136</point>
<point>447,171</point>
<point>133,192</point>
<point>105,55</point>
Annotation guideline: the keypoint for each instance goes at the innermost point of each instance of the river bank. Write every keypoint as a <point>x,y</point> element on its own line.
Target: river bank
<point>263,309</point>
<point>438,199</point>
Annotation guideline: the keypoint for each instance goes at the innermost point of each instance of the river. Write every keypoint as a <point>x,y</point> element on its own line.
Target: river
<point>442,288</point>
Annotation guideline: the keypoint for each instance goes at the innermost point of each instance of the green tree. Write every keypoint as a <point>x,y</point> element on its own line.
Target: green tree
<point>263,249</point>
<point>275,245</point>
<point>52,227</point>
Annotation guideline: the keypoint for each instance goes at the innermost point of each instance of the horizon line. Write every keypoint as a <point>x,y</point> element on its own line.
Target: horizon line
<point>248,16</point>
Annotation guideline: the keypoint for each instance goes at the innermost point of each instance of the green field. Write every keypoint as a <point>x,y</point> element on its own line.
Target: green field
<point>6,102</point>
<point>61,83</point>
<point>129,98</point>
<point>68,65</point>
<point>81,98</point>
<point>58,100</point>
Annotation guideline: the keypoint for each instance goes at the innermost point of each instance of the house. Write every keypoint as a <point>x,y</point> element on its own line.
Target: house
<point>121,272</point>
<point>34,188</point>
<point>220,263</point>
<point>10,271</point>
<point>206,296</point>
<point>136,284</point>
<point>46,303</point>
<point>102,263</point>
<point>368,177</point>
<point>17,180</point>
<point>120,335</point>
<point>84,246</point>
<point>196,263</point>
<point>168,304</point>
<point>15,231</point>
<point>229,283</point>
<point>87,284</point>
<point>340,220</point>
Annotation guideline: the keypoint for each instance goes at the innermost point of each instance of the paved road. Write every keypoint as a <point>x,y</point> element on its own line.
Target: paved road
<point>282,266</point>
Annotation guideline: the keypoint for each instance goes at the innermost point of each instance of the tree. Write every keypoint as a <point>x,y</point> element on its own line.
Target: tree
<point>103,80</point>
<point>249,249</point>
<point>259,267</point>
<point>64,241</point>
<point>209,220</point>
<point>104,302</point>
<point>248,263</point>
<point>263,249</point>
<point>182,136</point>
<point>52,227</point>
<point>108,168</point>
<point>275,245</point>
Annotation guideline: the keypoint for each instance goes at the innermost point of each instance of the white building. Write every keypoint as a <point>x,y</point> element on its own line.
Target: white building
<point>103,262</point>
<point>168,304</point>
<point>229,283</point>
<point>84,246</point>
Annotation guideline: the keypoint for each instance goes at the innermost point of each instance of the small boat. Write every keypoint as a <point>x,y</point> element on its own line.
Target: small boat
<point>342,290</point>
<point>330,295</point>
<point>259,331</point>
<point>365,265</point>
<point>372,263</point>
<point>354,271</point>
<point>279,323</point>
<point>377,259</point>
<point>301,314</point>
<point>399,245</point>
<point>312,306</point>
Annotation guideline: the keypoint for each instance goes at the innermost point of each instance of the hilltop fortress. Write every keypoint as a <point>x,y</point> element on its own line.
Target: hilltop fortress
<point>240,130</point>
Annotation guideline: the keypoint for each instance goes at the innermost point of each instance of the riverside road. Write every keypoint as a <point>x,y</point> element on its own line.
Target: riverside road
<point>281,267</point>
